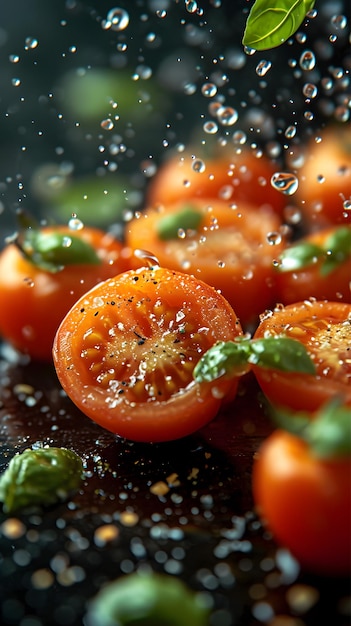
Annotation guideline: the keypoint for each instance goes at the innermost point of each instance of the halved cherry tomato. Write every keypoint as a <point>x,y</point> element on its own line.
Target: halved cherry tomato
<point>305,501</point>
<point>324,191</point>
<point>234,176</point>
<point>318,265</point>
<point>126,351</point>
<point>325,330</point>
<point>229,247</point>
<point>39,292</point>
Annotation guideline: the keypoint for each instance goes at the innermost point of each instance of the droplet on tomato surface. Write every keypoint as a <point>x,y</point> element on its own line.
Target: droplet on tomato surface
<point>274,238</point>
<point>144,255</point>
<point>285,182</point>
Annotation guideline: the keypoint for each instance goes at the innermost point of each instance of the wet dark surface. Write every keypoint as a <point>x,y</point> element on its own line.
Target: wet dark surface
<point>183,508</point>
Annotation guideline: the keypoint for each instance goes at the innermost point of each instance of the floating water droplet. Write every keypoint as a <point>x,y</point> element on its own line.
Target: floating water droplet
<point>191,6</point>
<point>210,128</point>
<point>16,82</point>
<point>226,192</point>
<point>117,19</point>
<point>307,60</point>
<point>239,137</point>
<point>107,124</point>
<point>327,83</point>
<point>66,242</point>
<point>309,90</point>
<point>285,182</point>
<point>263,67</point>
<point>198,166</point>
<point>14,58</point>
<point>339,22</point>
<point>347,205</point>
<point>144,255</point>
<point>274,238</point>
<point>75,223</point>
<point>208,90</point>
<point>342,114</point>
<point>308,115</point>
<point>292,215</point>
<point>290,132</point>
<point>30,43</point>
<point>227,116</point>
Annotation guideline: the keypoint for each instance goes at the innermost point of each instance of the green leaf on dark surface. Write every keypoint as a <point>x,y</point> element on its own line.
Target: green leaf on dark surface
<point>53,251</point>
<point>169,226</point>
<point>270,23</point>
<point>233,358</point>
<point>42,477</point>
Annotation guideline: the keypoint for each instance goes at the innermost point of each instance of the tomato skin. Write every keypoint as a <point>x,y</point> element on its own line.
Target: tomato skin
<point>325,179</point>
<point>37,300</point>
<point>305,502</point>
<point>230,251</point>
<point>232,176</point>
<point>298,285</point>
<point>125,353</point>
<point>324,328</point>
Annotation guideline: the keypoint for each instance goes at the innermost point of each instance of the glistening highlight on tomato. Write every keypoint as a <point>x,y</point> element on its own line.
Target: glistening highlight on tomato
<point>231,247</point>
<point>324,328</point>
<point>126,351</point>
<point>42,278</point>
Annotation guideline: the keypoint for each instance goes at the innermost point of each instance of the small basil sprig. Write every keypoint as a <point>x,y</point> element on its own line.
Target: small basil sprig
<point>335,250</point>
<point>52,251</point>
<point>270,24</point>
<point>146,599</point>
<point>42,476</point>
<point>168,226</point>
<point>327,433</point>
<point>233,358</point>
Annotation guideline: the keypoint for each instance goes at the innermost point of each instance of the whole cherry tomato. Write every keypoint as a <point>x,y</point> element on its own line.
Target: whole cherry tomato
<point>324,328</point>
<point>231,247</point>
<point>324,191</point>
<point>126,351</point>
<point>42,277</point>
<point>231,175</point>
<point>302,490</point>
<point>318,265</point>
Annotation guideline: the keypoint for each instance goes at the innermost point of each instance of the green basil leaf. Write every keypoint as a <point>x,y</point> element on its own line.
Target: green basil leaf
<point>337,249</point>
<point>169,226</point>
<point>147,599</point>
<point>271,23</point>
<point>298,256</point>
<point>281,353</point>
<point>53,251</point>
<point>40,477</point>
<point>224,358</point>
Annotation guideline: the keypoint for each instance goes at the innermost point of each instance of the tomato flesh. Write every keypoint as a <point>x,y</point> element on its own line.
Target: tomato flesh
<point>325,329</point>
<point>126,351</point>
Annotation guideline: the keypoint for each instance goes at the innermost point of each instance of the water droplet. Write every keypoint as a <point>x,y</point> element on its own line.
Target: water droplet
<point>227,116</point>
<point>66,242</point>
<point>339,22</point>
<point>29,282</point>
<point>144,255</point>
<point>16,82</point>
<point>347,205</point>
<point>239,137</point>
<point>274,238</point>
<point>107,124</point>
<point>290,132</point>
<point>308,115</point>
<point>342,114</point>
<point>226,192</point>
<point>309,90</point>
<point>191,6</point>
<point>327,83</point>
<point>30,43</point>
<point>14,58</point>
<point>292,215</point>
<point>210,128</point>
<point>198,166</point>
<point>75,223</point>
<point>263,67</point>
<point>285,182</point>
<point>208,90</point>
<point>307,60</point>
<point>117,19</point>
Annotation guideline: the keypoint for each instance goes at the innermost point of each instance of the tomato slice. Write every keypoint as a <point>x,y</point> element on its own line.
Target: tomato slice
<point>325,329</point>
<point>126,351</point>
<point>232,248</point>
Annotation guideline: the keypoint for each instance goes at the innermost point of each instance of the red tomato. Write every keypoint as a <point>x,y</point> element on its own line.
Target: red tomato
<point>37,300</point>
<point>325,330</point>
<point>232,176</point>
<point>232,249</point>
<point>326,273</point>
<point>325,179</point>
<point>126,351</point>
<point>305,502</point>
